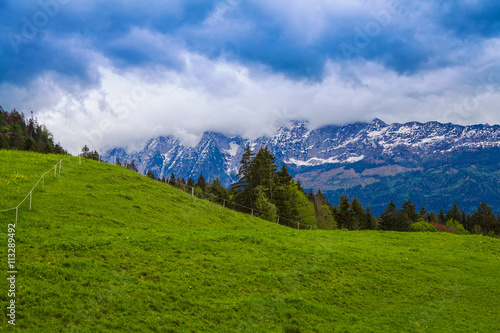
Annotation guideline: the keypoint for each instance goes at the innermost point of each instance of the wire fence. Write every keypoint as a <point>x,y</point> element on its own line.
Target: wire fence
<point>57,166</point>
<point>226,203</point>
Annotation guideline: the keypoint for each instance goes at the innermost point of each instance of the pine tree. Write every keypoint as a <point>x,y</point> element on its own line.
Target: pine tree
<point>201,183</point>
<point>132,166</point>
<point>265,209</point>
<point>118,162</point>
<point>296,207</point>
<point>344,217</point>
<point>465,220</point>
<point>441,217</point>
<point>389,218</point>
<point>431,217</point>
<point>325,219</point>
<point>485,219</point>
<point>370,221</point>
<point>300,186</point>
<point>422,215</point>
<point>357,213</point>
<point>407,216</point>
<point>454,214</point>
<point>283,177</point>
<point>263,172</point>
<point>85,151</point>
<point>311,196</point>
<point>242,187</point>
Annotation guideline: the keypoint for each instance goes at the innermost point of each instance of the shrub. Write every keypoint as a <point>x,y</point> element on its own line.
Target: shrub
<point>423,227</point>
<point>457,227</point>
<point>442,228</point>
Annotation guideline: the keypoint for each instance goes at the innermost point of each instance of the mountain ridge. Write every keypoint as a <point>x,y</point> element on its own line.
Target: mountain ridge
<point>322,157</point>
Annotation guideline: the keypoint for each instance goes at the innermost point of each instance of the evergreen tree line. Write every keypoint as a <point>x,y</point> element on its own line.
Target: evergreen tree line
<point>455,220</point>
<point>17,133</point>
<point>262,190</point>
<point>273,194</point>
<point>133,167</point>
<point>93,155</point>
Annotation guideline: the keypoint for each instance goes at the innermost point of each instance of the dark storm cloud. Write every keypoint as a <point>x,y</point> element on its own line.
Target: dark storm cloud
<point>247,63</point>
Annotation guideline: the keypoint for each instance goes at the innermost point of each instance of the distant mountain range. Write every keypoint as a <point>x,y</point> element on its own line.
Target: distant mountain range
<point>431,163</point>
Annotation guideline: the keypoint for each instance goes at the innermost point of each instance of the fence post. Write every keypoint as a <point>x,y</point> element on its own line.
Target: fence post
<point>17,211</point>
<point>55,171</point>
<point>31,197</point>
<point>252,212</point>
<point>43,182</point>
<point>192,191</point>
<point>79,159</point>
<point>60,166</point>
<point>224,204</point>
<point>298,226</point>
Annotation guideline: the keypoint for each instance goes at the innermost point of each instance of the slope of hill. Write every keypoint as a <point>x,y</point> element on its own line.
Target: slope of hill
<point>369,160</point>
<point>106,249</point>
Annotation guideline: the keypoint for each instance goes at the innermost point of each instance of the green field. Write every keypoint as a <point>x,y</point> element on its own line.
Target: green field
<point>105,249</point>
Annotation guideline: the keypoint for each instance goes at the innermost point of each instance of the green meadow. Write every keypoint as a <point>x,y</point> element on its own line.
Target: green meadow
<point>105,249</point>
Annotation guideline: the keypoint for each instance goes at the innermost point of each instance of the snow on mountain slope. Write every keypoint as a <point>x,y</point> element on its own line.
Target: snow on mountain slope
<point>217,155</point>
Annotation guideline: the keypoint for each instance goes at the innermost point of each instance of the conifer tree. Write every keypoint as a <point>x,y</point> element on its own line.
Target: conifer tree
<point>465,220</point>
<point>265,208</point>
<point>370,221</point>
<point>151,175</point>
<point>431,217</point>
<point>283,177</point>
<point>441,216</point>
<point>242,187</point>
<point>296,207</point>
<point>485,219</point>
<point>357,214</point>
<point>454,214</point>
<point>344,217</point>
<point>311,196</point>
<point>132,166</point>
<point>201,183</point>
<point>389,218</point>
<point>422,215</point>
<point>407,216</point>
<point>263,172</point>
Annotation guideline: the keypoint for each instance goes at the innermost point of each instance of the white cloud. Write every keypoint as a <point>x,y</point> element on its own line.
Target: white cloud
<point>130,106</point>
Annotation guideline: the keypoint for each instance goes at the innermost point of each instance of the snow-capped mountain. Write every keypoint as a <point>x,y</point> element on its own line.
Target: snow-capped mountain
<point>322,157</point>
<point>218,156</point>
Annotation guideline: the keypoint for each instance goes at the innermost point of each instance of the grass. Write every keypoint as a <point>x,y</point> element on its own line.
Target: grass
<point>19,172</point>
<point>106,249</point>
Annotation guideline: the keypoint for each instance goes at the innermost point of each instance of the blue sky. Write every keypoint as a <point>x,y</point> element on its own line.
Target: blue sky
<point>115,73</point>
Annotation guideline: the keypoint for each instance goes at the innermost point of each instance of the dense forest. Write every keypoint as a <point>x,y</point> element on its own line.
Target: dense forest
<point>272,194</point>
<point>19,133</point>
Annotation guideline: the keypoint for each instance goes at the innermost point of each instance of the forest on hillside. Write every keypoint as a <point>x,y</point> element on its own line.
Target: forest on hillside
<point>272,194</point>
<point>19,133</point>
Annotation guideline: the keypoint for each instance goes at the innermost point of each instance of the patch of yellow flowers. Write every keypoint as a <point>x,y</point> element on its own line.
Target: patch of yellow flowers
<point>15,179</point>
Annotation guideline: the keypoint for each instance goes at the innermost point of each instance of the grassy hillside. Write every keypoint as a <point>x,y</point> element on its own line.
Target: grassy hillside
<point>19,171</point>
<point>107,249</point>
